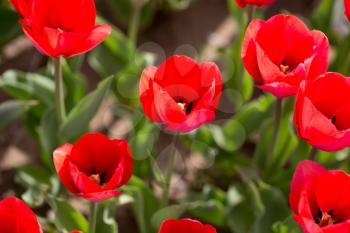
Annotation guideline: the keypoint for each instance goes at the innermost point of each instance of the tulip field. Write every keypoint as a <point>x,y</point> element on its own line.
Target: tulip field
<point>175,116</point>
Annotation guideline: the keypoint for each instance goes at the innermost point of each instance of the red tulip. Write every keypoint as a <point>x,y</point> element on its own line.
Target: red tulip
<point>320,199</point>
<point>322,112</point>
<point>347,8</point>
<point>281,52</point>
<point>185,226</point>
<point>61,28</point>
<point>17,217</point>
<point>181,93</point>
<point>94,167</point>
<point>259,3</point>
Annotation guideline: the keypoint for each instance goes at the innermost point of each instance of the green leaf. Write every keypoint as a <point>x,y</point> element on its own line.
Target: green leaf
<point>66,218</point>
<point>11,110</point>
<point>77,121</point>
<point>48,135</point>
<point>174,212</point>
<point>9,26</point>
<point>105,217</point>
<point>254,113</point>
<point>145,204</point>
<point>28,86</point>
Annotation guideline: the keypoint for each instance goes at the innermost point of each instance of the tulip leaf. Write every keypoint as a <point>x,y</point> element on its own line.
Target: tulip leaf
<point>145,204</point>
<point>48,135</point>
<point>11,110</point>
<point>9,26</point>
<point>66,217</point>
<point>170,212</point>
<point>77,121</point>
<point>105,217</point>
<point>28,86</point>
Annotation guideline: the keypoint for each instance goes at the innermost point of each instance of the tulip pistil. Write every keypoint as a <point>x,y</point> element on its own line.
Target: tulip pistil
<point>284,68</point>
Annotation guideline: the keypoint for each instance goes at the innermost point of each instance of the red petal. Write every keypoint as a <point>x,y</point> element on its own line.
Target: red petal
<point>211,75</point>
<point>334,88</point>
<point>23,7</point>
<point>96,37</point>
<point>177,73</point>
<point>123,172</point>
<point>146,93</point>
<point>343,227</point>
<point>100,196</point>
<point>249,49</point>
<point>62,167</point>
<point>306,172</point>
<point>82,182</point>
<point>193,121</point>
<point>16,217</point>
<point>270,73</point>
<point>299,41</point>
<point>320,63</point>
<point>168,110</point>
<point>185,226</point>
<point>279,89</point>
<point>338,198</point>
<point>272,38</point>
<point>308,225</point>
<point>95,151</point>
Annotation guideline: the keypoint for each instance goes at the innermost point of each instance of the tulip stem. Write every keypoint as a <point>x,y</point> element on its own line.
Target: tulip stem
<point>277,124</point>
<point>313,153</point>
<point>60,105</point>
<point>134,24</point>
<point>250,14</point>
<point>93,216</point>
<point>169,173</point>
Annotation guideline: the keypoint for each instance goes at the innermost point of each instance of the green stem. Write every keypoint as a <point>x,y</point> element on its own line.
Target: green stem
<point>250,14</point>
<point>277,124</point>
<point>134,24</point>
<point>313,153</point>
<point>169,174</point>
<point>92,217</point>
<point>60,106</point>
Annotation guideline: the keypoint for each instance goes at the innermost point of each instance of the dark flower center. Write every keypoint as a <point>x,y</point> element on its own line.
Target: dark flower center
<point>334,119</point>
<point>99,179</point>
<point>325,218</point>
<point>186,107</point>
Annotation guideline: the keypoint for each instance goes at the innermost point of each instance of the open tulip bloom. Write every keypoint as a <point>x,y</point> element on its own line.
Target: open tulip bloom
<point>94,167</point>
<point>281,52</point>
<point>185,226</point>
<point>181,93</point>
<point>259,3</point>
<point>61,27</point>
<point>322,112</point>
<point>320,199</point>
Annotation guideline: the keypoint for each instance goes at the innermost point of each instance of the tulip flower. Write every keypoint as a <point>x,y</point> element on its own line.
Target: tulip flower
<point>94,167</point>
<point>320,198</point>
<point>322,112</point>
<point>181,93</point>
<point>259,3</point>
<point>347,9</point>
<point>17,217</point>
<point>185,226</point>
<point>281,52</point>
<point>61,28</point>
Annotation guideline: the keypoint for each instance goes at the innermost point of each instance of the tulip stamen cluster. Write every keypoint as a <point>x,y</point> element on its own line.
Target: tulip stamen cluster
<point>284,68</point>
<point>99,179</point>
<point>186,107</point>
<point>325,218</point>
